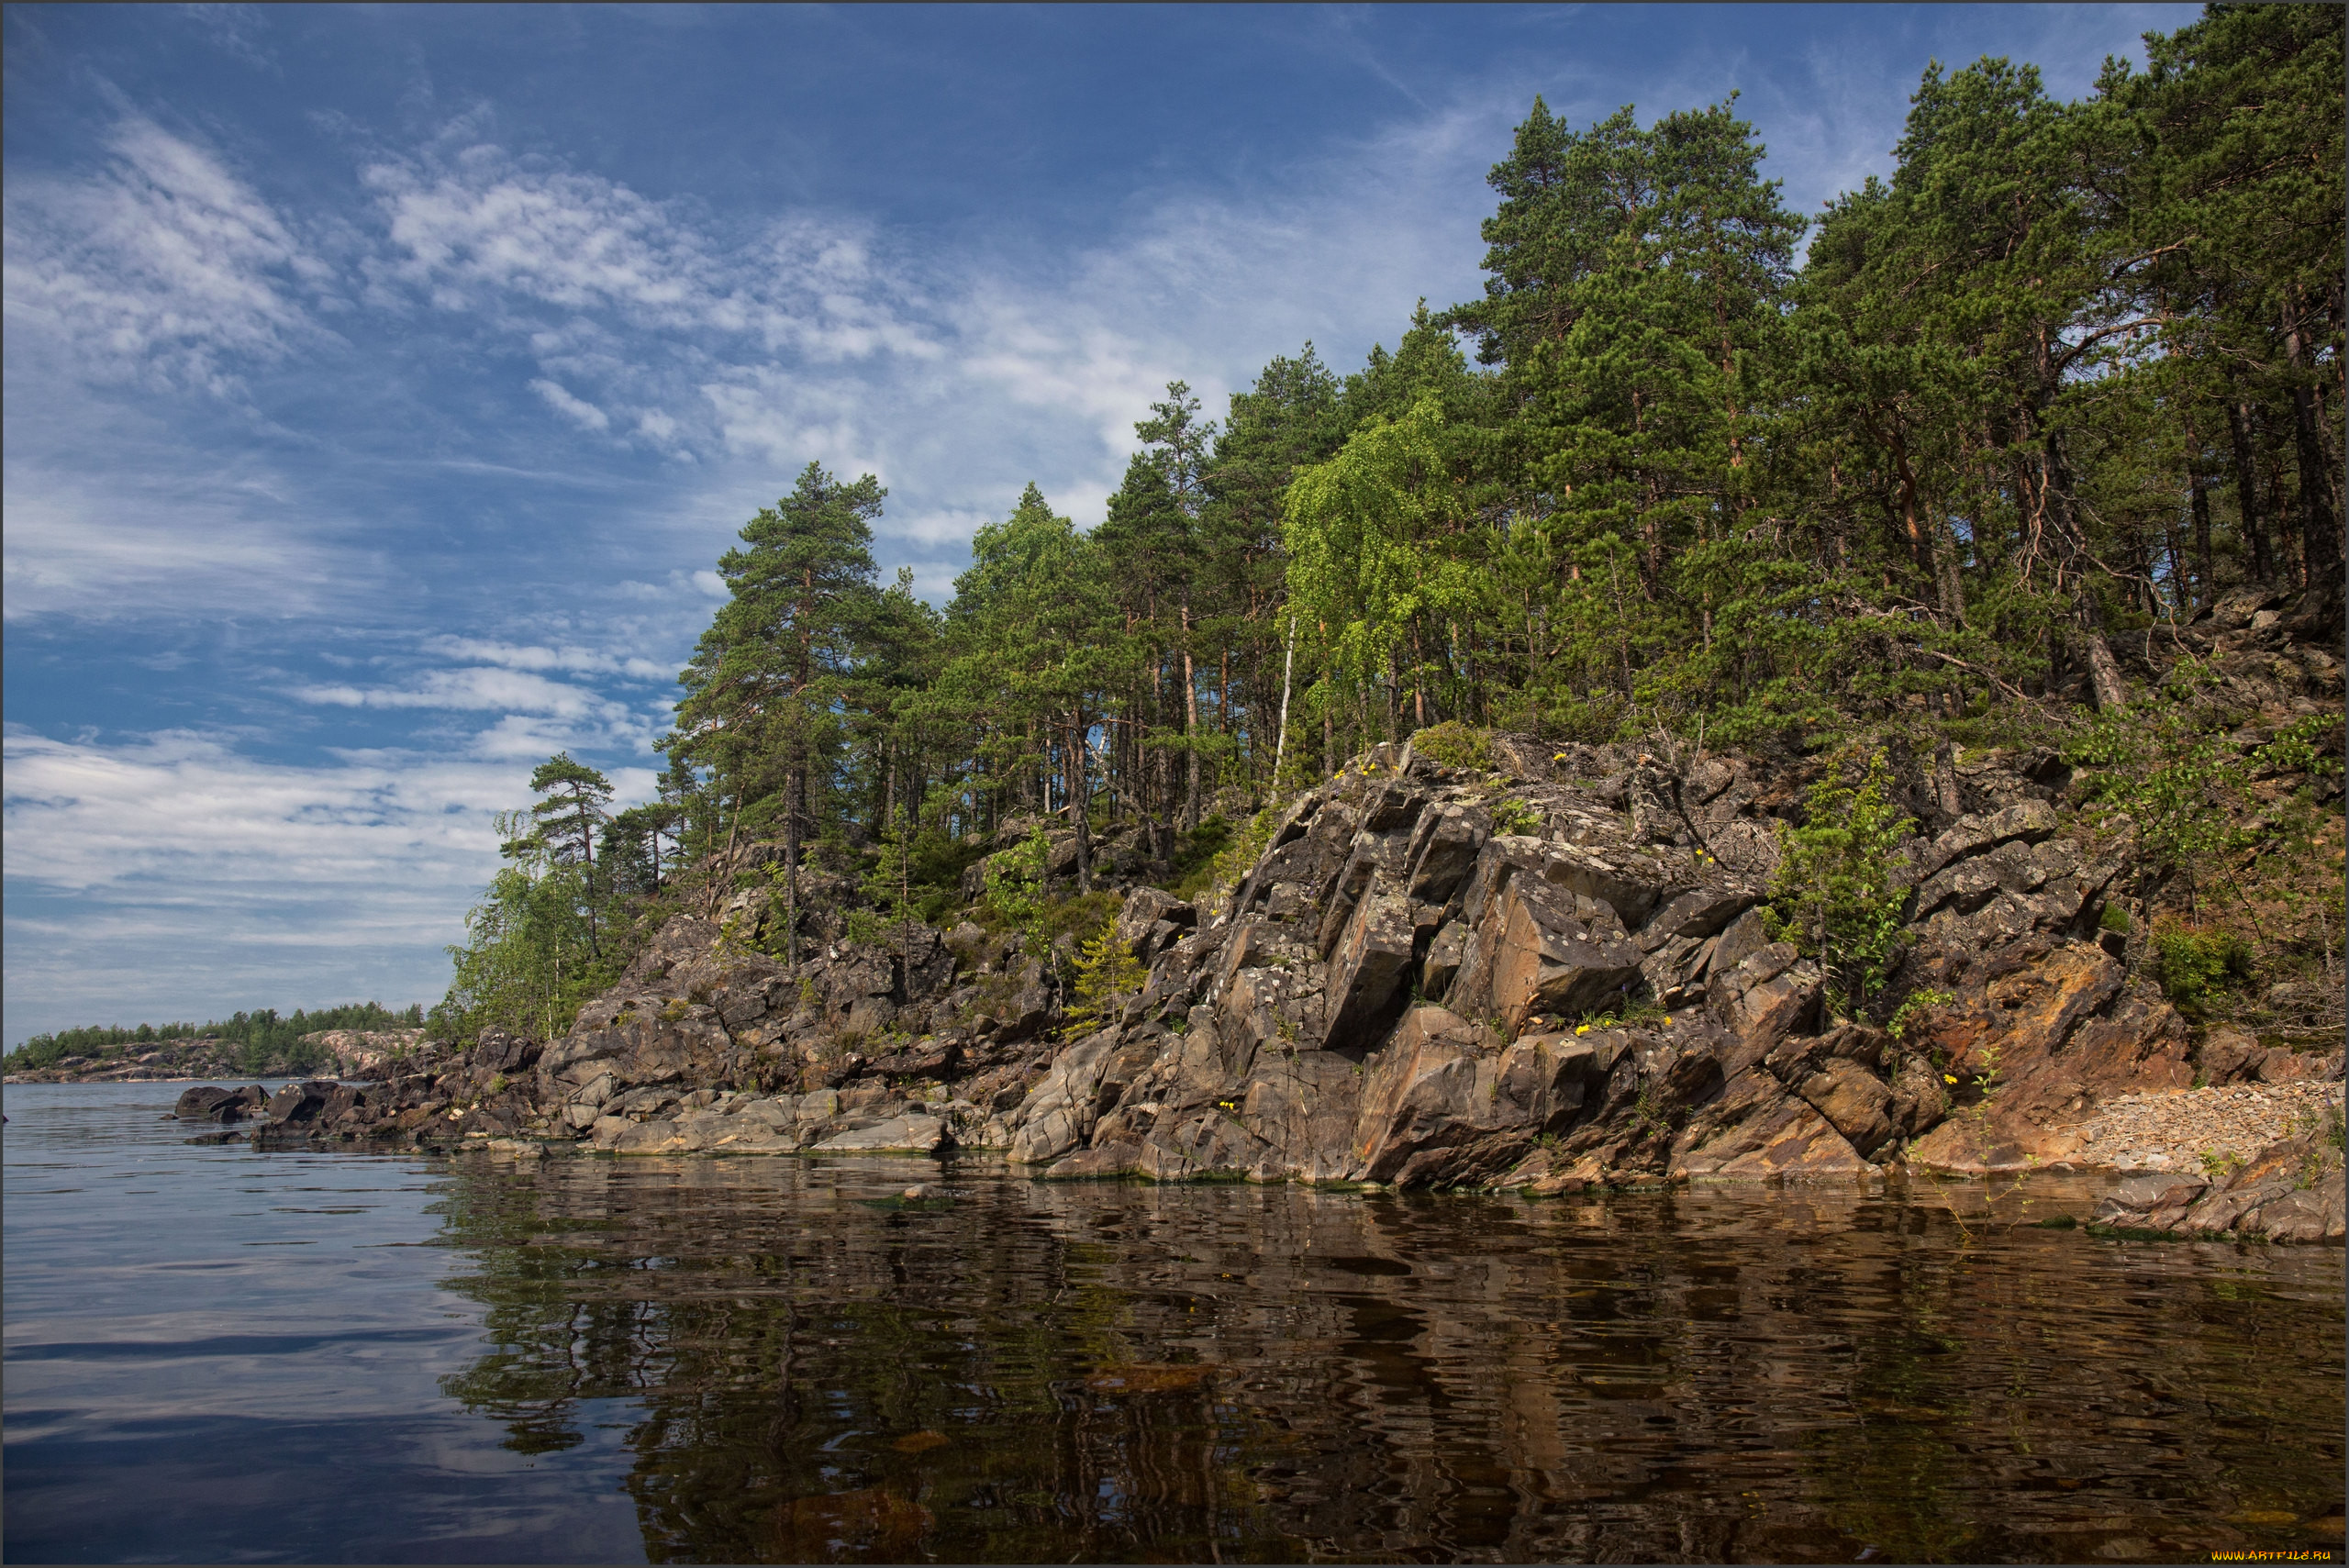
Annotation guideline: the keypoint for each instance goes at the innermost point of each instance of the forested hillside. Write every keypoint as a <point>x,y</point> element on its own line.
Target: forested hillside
<point>1953,463</point>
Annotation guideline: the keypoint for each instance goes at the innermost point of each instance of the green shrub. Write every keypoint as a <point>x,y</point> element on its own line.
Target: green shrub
<point>1015,883</point>
<point>2164,769</point>
<point>1836,895</point>
<point>1914,1009</point>
<point>1511,814</point>
<point>939,861</point>
<point>2114,919</point>
<point>2193,966</point>
<point>1591,721</point>
<point>1454,745</point>
<point>1077,913</point>
<point>1194,855</point>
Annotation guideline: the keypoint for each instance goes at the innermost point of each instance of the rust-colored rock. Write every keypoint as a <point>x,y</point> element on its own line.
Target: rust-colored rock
<point>1755,1130</point>
<point>2043,1083</point>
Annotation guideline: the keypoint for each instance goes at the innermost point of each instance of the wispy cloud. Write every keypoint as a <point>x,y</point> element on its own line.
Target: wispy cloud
<point>481,228</point>
<point>95,545</point>
<point>584,415</point>
<point>569,657</point>
<point>581,716</point>
<point>163,265</point>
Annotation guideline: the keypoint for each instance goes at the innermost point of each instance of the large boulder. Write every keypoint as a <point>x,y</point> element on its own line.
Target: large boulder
<point>2291,1191</point>
<point>1431,1106</point>
<point>1303,1105</point>
<point>1443,851</point>
<point>2230,1056</point>
<point>1368,972</point>
<point>909,1134</point>
<point>1855,1102</point>
<point>1770,996</point>
<point>298,1103</point>
<point>1059,1112</point>
<point>205,1103</point>
<point>2033,1060</point>
<point>1533,952</point>
<point>1153,920</point>
<point>2027,820</point>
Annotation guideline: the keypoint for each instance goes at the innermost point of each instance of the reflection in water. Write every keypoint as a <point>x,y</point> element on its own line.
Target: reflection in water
<point>1038,1371</point>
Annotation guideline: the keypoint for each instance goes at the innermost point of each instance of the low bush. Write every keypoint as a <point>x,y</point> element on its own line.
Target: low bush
<point>2194,965</point>
<point>1454,745</point>
<point>1511,814</point>
<point>1838,894</point>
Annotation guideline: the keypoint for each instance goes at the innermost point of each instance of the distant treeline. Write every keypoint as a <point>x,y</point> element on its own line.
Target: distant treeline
<point>268,1041</point>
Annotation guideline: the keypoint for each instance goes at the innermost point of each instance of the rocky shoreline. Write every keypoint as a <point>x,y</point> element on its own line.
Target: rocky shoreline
<point>1547,975</point>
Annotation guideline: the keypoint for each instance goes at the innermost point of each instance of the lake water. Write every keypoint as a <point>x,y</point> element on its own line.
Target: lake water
<point>219,1355</point>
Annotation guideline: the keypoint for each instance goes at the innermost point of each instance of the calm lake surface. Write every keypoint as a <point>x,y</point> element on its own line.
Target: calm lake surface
<point>218,1355</point>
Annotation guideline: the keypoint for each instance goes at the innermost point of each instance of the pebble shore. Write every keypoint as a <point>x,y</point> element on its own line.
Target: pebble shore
<point>2172,1131</point>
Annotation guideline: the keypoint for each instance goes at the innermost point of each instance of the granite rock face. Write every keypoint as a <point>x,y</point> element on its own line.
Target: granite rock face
<point>1394,993</point>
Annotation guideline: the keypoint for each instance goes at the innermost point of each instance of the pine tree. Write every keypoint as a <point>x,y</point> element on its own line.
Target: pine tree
<point>765,681</point>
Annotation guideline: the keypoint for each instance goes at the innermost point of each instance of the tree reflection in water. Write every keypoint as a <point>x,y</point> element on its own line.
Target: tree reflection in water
<point>1029,1371</point>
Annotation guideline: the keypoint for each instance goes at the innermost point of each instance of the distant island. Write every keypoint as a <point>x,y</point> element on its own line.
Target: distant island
<point>258,1044</point>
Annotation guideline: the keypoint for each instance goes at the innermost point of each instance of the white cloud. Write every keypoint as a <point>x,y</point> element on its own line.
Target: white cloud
<point>170,873</point>
<point>947,526</point>
<point>484,229</point>
<point>494,690</point>
<point>570,659</point>
<point>104,546</point>
<point>586,416</point>
<point>786,419</point>
<point>196,876</point>
<point>162,266</point>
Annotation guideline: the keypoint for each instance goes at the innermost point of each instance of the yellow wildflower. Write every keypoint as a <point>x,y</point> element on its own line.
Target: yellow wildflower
<point>1949,1078</point>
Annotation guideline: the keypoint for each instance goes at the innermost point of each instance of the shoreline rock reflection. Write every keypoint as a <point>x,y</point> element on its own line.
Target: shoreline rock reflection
<point>1032,1371</point>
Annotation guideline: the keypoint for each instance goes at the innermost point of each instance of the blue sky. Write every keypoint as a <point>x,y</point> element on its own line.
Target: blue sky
<point>382,382</point>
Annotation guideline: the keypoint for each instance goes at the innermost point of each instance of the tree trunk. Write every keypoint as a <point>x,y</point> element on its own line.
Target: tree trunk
<point>2205,576</point>
<point>1079,806</point>
<point>2320,525</point>
<point>1418,679</point>
<point>790,870</point>
<point>1190,727</point>
<point>1945,795</point>
<point>2254,532</point>
<point>1392,682</point>
<point>1288,668</point>
<point>2104,672</point>
<point>1161,810</point>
